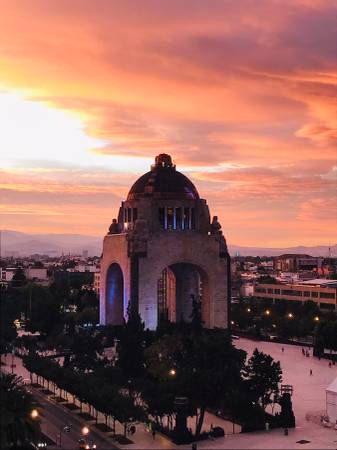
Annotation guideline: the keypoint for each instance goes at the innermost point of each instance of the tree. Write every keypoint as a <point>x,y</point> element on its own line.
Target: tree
<point>126,411</point>
<point>287,418</point>
<point>19,278</point>
<point>262,376</point>
<point>326,336</point>
<point>43,312</point>
<point>159,400</point>
<point>17,428</point>
<point>132,342</point>
<point>8,313</point>
<point>196,315</point>
<point>87,316</point>
<point>86,352</point>
<point>196,360</point>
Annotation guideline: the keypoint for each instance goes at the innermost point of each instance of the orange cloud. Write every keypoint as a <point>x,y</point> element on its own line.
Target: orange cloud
<point>242,95</point>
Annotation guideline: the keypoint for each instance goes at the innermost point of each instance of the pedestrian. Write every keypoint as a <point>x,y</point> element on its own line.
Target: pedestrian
<point>153,434</point>
<point>282,350</point>
<point>310,372</point>
<point>302,351</point>
<point>330,364</point>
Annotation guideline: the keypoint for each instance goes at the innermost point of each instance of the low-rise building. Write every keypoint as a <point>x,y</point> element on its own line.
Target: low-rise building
<point>297,262</point>
<point>36,273</point>
<point>247,290</point>
<point>321,291</point>
<point>7,274</point>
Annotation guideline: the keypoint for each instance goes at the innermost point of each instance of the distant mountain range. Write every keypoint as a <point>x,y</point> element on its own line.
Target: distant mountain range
<point>320,250</point>
<point>24,244</point>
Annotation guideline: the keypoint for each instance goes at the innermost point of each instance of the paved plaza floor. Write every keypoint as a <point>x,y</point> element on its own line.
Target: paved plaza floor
<point>308,397</point>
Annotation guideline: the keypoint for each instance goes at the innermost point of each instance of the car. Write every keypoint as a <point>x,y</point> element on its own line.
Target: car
<point>217,432</point>
<point>81,443</point>
<point>85,445</point>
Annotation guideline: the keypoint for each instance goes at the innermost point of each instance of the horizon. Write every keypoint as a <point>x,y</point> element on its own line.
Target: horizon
<point>241,95</point>
<point>230,244</point>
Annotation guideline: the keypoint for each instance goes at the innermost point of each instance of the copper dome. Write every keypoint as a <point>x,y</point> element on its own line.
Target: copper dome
<point>163,181</point>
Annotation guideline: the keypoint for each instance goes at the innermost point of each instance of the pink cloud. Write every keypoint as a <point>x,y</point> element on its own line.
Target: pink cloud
<point>241,93</point>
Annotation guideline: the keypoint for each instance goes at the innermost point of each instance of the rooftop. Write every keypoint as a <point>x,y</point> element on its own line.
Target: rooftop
<point>320,282</point>
<point>163,181</point>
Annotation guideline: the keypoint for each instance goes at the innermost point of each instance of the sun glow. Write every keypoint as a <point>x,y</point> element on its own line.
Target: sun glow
<point>32,132</point>
<point>38,137</point>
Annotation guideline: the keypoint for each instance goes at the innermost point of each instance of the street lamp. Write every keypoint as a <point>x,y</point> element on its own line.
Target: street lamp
<point>290,316</point>
<point>316,319</point>
<point>85,431</point>
<point>172,372</point>
<point>34,414</point>
<point>248,310</point>
<point>267,312</point>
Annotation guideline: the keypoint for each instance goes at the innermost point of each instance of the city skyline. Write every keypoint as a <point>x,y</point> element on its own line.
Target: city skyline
<point>242,95</point>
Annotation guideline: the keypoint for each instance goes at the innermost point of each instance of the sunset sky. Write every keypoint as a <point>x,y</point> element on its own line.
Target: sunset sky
<point>241,93</point>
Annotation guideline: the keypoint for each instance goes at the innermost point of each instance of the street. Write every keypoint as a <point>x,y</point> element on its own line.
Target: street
<point>54,417</point>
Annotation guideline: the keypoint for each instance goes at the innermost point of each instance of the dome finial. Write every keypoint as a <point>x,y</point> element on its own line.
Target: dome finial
<point>163,160</point>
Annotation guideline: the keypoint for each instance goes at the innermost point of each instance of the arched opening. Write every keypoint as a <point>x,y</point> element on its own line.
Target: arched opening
<point>114,295</point>
<point>178,285</point>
